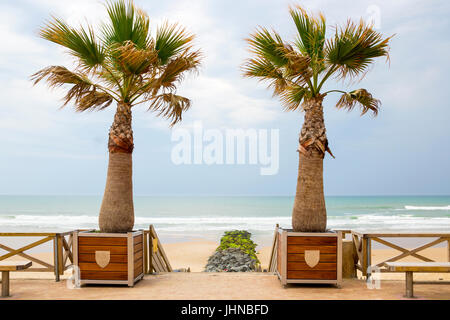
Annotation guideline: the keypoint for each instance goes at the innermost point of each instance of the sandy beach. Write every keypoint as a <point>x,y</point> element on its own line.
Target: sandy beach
<point>222,286</point>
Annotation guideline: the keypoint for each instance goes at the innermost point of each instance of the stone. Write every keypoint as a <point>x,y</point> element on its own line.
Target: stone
<point>230,260</point>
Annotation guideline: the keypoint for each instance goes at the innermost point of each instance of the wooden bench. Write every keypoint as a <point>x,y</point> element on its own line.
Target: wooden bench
<point>410,267</point>
<point>6,267</point>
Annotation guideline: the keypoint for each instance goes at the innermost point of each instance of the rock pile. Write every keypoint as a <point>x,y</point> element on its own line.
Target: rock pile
<point>236,253</point>
<point>230,260</point>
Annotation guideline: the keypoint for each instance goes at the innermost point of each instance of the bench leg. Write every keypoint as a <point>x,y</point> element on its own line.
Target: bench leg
<point>409,285</point>
<point>5,283</point>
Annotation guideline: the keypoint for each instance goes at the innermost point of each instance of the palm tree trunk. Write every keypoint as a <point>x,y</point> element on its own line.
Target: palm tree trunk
<point>117,210</point>
<point>309,213</point>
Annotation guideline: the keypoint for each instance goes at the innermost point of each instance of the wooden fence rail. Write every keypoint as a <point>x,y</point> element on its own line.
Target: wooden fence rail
<point>363,244</point>
<point>155,257</point>
<point>274,253</point>
<point>62,251</point>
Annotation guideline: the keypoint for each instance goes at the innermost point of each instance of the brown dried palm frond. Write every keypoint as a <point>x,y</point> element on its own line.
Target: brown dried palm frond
<point>168,76</point>
<point>170,106</point>
<point>299,66</point>
<point>57,76</point>
<point>174,71</point>
<point>133,60</point>
<point>81,87</point>
<point>93,100</point>
<point>359,97</point>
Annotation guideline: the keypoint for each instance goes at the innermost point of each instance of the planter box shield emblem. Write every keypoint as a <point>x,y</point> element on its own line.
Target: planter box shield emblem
<point>312,257</point>
<point>102,258</point>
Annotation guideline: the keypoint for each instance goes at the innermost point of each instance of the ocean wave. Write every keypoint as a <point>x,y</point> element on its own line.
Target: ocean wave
<point>426,208</point>
<point>221,223</point>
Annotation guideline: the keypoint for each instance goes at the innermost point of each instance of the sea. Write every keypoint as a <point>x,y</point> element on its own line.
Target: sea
<point>182,218</point>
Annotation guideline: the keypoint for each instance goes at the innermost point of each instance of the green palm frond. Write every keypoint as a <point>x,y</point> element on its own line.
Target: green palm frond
<point>262,69</point>
<point>84,93</point>
<point>359,97</point>
<point>311,33</point>
<point>127,23</point>
<point>354,47</point>
<point>292,97</point>
<point>170,106</point>
<point>265,70</point>
<point>81,43</point>
<point>110,75</point>
<point>267,46</point>
<point>299,70</point>
<point>170,41</point>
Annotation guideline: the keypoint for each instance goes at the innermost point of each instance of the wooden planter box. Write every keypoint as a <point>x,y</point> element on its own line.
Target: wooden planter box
<point>309,257</point>
<point>109,258</point>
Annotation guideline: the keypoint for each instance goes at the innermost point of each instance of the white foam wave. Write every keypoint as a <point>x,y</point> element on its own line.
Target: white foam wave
<point>427,208</point>
<point>222,223</point>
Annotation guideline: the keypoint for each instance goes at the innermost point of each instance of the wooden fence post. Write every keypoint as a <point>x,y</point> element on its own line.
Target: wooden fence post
<point>60,254</point>
<point>55,257</point>
<point>349,259</point>
<point>364,256</point>
<point>150,251</point>
<point>369,255</point>
<point>144,235</point>
<point>448,250</point>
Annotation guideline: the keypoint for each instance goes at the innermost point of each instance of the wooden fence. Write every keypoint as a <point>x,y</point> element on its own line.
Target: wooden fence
<point>155,259</point>
<point>363,244</point>
<point>62,251</point>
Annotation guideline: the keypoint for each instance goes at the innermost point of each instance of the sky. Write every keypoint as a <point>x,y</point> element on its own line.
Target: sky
<point>46,150</point>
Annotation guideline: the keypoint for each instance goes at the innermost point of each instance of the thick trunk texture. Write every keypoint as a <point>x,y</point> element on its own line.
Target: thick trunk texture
<point>117,210</point>
<point>309,213</point>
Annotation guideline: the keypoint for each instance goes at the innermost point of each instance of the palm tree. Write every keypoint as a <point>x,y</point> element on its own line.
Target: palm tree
<point>296,72</point>
<point>127,65</point>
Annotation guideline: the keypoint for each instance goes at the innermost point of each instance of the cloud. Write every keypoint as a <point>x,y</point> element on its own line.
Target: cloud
<point>220,102</point>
